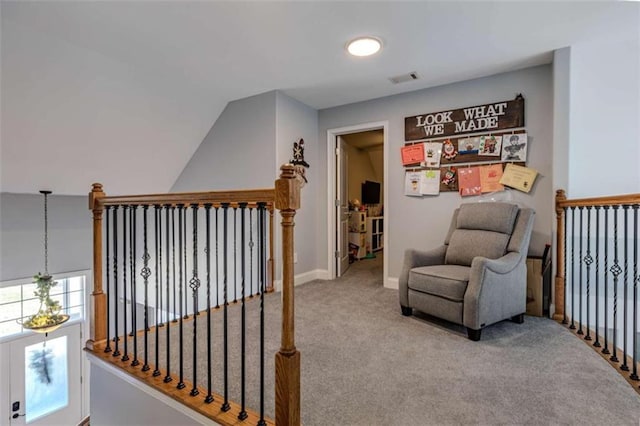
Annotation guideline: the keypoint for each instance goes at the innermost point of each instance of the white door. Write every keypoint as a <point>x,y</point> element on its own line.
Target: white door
<point>46,378</point>
<point>342,208</point>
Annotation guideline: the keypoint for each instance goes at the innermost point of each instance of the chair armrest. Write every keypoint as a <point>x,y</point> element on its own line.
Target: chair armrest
<point>502,265</point>
<point>496,290</point>
<point>414,258</point>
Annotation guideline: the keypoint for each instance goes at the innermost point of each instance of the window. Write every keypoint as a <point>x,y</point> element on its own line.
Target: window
<point>17,300</point>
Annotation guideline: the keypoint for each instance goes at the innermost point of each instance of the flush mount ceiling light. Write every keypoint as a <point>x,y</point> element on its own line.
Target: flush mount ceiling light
<point>364,46</point>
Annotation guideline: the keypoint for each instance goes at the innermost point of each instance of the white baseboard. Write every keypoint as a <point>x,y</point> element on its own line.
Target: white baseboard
<point>305,277</point>
<point>392,283</point>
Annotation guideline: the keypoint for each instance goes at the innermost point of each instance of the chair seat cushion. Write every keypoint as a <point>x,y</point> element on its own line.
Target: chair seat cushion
<point>448,281</point>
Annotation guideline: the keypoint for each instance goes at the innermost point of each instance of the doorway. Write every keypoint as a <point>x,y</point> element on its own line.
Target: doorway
<point>344,146</point>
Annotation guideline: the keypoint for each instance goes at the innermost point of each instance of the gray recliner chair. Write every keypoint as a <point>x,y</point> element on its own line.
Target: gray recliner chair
<point>479,276</point>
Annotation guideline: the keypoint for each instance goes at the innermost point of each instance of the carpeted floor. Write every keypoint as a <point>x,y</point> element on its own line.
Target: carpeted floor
<point>365,364</point>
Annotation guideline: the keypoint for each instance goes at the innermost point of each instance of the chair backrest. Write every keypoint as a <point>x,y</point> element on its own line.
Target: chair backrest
<point>487,229</point>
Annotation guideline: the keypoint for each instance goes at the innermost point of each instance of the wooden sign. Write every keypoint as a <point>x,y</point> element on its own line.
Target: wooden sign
<point>494,116</point>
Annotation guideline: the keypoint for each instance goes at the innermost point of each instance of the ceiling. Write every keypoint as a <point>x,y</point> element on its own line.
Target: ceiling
<point>365,140</point>
<point>124,92</point>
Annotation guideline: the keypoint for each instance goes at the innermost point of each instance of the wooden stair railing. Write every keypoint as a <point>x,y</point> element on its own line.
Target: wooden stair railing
<point>216,405</point>
<point>596,272</point>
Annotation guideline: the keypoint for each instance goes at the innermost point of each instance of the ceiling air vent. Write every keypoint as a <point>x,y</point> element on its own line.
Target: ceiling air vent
<point>404,78</point>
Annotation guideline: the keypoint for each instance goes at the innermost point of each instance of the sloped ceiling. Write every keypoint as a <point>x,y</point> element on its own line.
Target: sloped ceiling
<point>124,92</point>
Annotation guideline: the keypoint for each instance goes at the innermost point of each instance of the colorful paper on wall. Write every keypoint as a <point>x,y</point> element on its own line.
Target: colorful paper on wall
<point>468,145</point>
<point>430,184</point>
<point>412,183</point>
<point>432,154</point>
<point>514,147</point>
<point>448,179</point>
<point>490,178</point>
<point>412,154</point>
<point>469,181</point>
<point>518,177</point>
<point>490,145</point>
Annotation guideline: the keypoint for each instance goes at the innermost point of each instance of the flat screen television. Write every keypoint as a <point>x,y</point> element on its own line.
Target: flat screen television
<point>370,192</point>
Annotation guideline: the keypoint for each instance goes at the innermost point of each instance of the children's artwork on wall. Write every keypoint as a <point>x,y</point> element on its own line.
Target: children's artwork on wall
<point>468,145</point>
<point>490,145</point>
<point>490,178</point>
<point>469,181</point>
<point>448,179</point>
<point>412,183</point>
<point>514,147</point>
<point>518,177</point>
<point>412,154</point>
<point>449,150</point>
<point>432,154</point>
<point>430,184</point>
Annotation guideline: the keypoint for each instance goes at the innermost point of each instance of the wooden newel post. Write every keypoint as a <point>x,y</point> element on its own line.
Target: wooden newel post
<point>288,358</point>
<point>559,281</point>
<point>98,305</point>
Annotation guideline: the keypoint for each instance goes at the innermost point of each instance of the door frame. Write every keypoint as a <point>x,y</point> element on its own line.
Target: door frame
<point>332,135</point>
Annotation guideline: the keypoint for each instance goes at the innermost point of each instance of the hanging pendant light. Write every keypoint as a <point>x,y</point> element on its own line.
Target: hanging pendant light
<point>48,318</point>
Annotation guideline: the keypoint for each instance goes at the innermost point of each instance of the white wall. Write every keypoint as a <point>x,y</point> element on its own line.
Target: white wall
<point>22,231</point>
<point>119,400</point>
<point>422,222</point>
<point>604,117</point>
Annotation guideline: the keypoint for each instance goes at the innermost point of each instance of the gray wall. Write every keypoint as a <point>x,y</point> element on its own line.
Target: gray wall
<point>22,229</point>
<point>296,120</point>
<point>238,152</point>
<point>422,222</point>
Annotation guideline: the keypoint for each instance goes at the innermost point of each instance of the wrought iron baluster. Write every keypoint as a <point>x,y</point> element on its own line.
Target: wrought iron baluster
<point>615,270</point>
<point>624,366</point>
<point>573,267</point>
<point>588,260</point>
<point>262,266</point>
<point>181,245</point>
<point>167,377</point>
<point>116,339</point>
<point>195,285</point>
<point>217,263</point>
<point>235,255</point>
<point>251,244</point>
<point>636,279</point>
<point>107,275</point>
<point>125,355</point>
<point>184,259</point>
<point>146,273</point>
<point>564,306</point>
<point>156,212</point>
<point>243,413</point>
<point>225,227</point>
<point>207,208</point>
<point>173,261</point>
<point>597,342</point>
<point>605,350</point>
<point>580,278</point>
<point>134,295</point>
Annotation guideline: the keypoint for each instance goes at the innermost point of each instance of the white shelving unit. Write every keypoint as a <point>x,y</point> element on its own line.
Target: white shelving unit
<point>374,234</point>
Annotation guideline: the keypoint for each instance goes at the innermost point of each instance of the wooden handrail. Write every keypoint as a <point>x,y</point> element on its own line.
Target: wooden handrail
<point>615,200</point>
<point>561,204</point>
<point>252,196</point>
